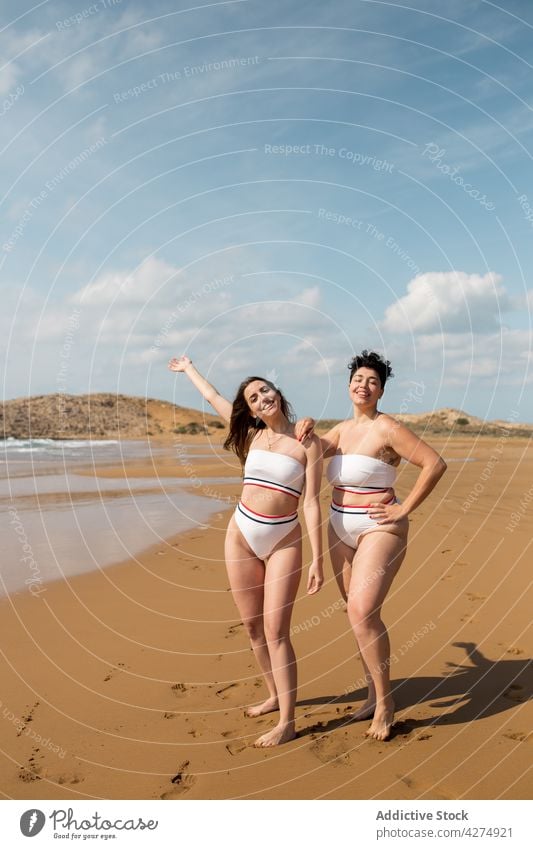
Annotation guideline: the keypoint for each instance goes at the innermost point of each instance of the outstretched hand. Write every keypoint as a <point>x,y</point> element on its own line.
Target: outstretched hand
<point>304,428</point>
<point>179,363</point>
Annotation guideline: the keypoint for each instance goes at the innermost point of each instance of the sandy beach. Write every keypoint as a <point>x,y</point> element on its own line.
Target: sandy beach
<point>131,681</point>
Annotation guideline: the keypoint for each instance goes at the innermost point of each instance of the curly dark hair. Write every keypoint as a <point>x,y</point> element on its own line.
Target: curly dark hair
<point>373,360</point>
<point>243,426</point>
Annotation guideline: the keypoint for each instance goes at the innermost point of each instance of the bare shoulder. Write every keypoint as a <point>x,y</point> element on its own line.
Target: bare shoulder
<point>404,442</point>
<point>387,426</point>
<point>313,446</point>
<point>338,429</point>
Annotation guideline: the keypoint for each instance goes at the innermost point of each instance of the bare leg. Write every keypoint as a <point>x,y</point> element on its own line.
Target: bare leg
<point>375,565</point>
<point>246,576</point>
<point>341,556</point>
<point>283,572</point>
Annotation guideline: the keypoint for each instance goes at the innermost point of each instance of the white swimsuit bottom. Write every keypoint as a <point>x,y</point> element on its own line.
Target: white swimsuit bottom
<point>350,523</point>
<point>263,533</point>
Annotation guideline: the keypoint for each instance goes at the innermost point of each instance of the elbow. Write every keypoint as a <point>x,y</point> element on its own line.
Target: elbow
<point>440,467</point>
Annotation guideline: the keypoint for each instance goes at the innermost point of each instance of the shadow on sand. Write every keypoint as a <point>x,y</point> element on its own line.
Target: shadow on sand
<point>468,692</point>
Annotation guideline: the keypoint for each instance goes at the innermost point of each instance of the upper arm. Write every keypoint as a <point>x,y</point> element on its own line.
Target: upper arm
<point>313,469</point>
<point>222,406</point>
<point>410,447</point>
<point>330,441</point>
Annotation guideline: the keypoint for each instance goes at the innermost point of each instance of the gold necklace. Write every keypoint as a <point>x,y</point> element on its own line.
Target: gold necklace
<point>277,439</point>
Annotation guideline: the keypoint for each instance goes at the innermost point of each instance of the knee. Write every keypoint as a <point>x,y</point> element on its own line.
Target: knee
<point>275,633</point>
<point>362,616</point>
<point>254,629</point>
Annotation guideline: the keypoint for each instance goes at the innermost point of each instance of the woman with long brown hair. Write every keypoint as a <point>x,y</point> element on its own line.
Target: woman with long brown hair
<point>263,545</point>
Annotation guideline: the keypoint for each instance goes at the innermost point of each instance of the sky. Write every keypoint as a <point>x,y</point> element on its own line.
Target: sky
<point>269,188</point>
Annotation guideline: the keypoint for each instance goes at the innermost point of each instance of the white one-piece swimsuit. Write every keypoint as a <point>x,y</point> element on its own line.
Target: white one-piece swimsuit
<point>361,475</point>
<point>278,472</point>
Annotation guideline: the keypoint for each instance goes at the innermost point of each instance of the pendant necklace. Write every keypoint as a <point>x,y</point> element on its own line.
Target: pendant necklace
<point>272,442</point>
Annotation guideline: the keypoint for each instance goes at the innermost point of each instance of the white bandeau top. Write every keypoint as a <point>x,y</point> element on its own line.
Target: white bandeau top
<point>360,473</point>
<point>273,470</point>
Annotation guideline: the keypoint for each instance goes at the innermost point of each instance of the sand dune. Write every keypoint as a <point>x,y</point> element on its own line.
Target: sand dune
<point>110,416</point>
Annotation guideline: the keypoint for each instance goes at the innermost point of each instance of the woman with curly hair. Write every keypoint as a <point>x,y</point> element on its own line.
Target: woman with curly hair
<point>368,526</point>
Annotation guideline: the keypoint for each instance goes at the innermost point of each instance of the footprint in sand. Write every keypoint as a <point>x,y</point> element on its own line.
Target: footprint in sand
<point>236,748</point>
<point>331,750</point>
<point>32,771</point>
<point>120,667</point>
<point>179,689</point>
<point>234,630</point>
<point>513,693</point>
<point>28,774</point>
<point>183,782</point>
<point>69,778</point>
<point>474,597</point>
<point>28,718</point>
<point>467,618</point>
<point>514,650</point>
<point>223,692</point>
<point>519,736</point>
<point>419,789</point>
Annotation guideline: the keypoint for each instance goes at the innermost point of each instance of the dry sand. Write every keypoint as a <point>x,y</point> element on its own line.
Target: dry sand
<point>131,682</point>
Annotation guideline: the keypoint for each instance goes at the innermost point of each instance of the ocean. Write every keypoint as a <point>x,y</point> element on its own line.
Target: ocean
<point>58,519</point>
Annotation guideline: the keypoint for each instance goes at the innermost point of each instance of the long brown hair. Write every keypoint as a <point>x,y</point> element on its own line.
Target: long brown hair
<point>243,426</point>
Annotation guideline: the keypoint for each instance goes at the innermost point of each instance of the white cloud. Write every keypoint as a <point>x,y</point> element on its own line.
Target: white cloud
<point>452,301</point>
<point>129,287</point>
<point>309,297</point>
<point>465,359</point>
<point>8,78</point>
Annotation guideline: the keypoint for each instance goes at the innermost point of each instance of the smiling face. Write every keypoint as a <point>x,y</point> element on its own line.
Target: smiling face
<point>262,399</point>
<point>365,387</point>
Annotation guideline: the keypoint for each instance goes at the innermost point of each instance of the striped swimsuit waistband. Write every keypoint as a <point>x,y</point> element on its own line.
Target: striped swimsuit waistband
<point>355,509</point>
<point>263,519</point>
<point>361,490</point>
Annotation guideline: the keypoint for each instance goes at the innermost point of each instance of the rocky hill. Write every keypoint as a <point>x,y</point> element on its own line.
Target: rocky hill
<point>99,416</point>
<point>109,416</point>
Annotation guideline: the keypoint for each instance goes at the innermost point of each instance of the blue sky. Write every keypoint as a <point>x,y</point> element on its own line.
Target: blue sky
<point>269,187</point>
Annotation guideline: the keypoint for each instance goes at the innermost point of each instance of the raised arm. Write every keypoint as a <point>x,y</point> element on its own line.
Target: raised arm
<point>211,395</point>
<point>313,517</point>
<point>413,449</point>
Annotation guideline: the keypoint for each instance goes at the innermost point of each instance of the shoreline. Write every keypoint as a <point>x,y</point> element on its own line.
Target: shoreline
<point>139,672</point>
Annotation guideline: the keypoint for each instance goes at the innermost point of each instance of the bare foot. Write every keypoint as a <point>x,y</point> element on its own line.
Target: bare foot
<point>265,707</point>
<point>382,722</point>
<point>276,736</point>
<point>367,709</point>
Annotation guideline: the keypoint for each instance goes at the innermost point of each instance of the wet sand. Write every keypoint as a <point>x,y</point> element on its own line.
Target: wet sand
<point>131,681</point>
